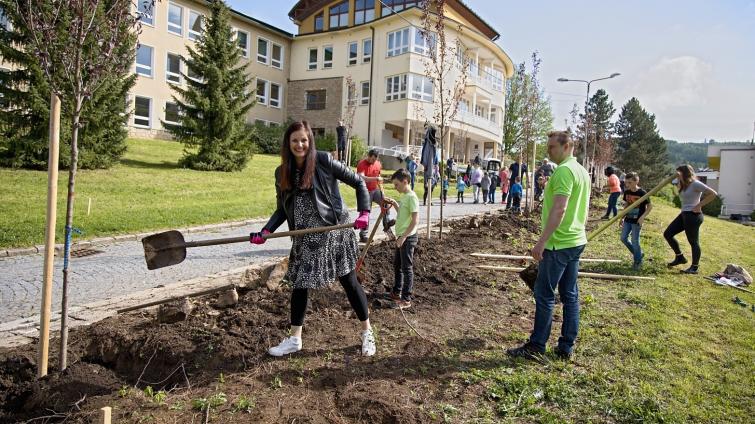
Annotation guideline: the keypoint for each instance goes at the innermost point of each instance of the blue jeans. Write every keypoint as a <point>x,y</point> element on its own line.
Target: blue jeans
<point>491,195</point>
<point>612,199</point>
<point>634,246</point>
<point>558,269</point>
<point>412,175</point>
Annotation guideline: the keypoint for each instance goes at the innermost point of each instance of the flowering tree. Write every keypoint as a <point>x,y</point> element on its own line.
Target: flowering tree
<point>446,66</point>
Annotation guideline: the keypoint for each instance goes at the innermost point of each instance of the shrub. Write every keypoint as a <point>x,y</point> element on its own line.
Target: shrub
<point>268,139</point>
<point>358,149</point>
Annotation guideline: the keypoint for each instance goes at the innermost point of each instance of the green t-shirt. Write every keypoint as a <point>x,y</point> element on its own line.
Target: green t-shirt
<point>407,204</point>
<point>569,179</point>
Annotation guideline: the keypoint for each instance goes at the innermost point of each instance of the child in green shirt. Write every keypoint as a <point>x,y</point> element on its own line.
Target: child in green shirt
<point>406,231</point>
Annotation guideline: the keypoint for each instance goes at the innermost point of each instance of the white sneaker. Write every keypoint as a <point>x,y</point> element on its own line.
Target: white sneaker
<point>368,343</point>
<point>288,345</point>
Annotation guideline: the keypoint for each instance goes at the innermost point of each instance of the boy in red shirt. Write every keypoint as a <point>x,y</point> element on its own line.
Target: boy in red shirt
<point>369,169</point>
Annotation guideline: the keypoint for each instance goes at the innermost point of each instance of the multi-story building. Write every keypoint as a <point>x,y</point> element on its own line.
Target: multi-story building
<point>167,29</point>
<point>375,44</point>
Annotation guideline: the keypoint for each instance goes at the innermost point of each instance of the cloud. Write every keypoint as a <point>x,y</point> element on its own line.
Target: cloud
<point>677,82</point>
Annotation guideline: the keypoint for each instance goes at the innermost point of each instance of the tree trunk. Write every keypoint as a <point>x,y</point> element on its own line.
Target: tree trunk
<point>69,233</point>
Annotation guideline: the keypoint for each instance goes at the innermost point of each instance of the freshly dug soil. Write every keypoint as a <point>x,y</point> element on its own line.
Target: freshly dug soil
<point>223,352</point>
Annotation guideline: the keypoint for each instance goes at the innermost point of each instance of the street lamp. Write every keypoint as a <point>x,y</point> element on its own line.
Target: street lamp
<point>587,100</point>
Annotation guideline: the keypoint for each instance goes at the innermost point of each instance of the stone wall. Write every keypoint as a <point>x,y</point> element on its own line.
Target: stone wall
<point>325,118</point>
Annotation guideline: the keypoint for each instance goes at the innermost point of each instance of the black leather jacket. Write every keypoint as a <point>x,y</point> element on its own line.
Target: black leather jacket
<point>327,196</point>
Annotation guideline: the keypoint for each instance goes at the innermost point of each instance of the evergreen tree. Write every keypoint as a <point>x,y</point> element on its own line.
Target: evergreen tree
<point>214,104</point>
<point>601,144</point>
<point>639,146</point>
<point>25,108</point>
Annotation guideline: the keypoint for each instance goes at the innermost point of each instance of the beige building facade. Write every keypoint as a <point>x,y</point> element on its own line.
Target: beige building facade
<point>379,49</point>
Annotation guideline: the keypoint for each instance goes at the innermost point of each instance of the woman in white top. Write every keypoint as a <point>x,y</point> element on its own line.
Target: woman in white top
<point>694,195</point>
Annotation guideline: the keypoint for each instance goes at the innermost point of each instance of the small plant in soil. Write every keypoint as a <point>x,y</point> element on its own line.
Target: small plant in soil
<point>156,397</point>
<point>243,404</point>
<point>221,378</point>
<point>213,401</point>
<point>277,383</point>
<point>124,391</point>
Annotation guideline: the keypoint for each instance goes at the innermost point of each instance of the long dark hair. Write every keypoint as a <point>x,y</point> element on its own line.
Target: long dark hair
<point>688,176</point>
<point>288,162</point>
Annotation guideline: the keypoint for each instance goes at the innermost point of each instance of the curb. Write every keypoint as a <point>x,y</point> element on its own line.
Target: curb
<point>105,241</point>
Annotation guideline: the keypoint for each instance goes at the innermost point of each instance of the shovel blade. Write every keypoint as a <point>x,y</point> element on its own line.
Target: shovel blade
<point>164,249</point>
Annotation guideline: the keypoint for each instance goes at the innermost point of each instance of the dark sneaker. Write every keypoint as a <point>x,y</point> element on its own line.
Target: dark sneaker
<point>363,239</point>
<point>526,350</point>
<point>562,354</point>
<point>389,295</point>
<point>389,224</point>
<point>690,270</point>
<point>678,260</point>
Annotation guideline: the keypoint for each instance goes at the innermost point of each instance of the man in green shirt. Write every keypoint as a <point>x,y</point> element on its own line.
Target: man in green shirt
<point>565,206</point>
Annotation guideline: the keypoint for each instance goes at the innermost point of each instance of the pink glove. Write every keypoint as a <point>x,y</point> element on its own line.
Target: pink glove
<point>257,238</point>
<point>363,222</point>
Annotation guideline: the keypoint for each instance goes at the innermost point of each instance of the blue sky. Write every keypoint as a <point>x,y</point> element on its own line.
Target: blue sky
<point>691,63</point>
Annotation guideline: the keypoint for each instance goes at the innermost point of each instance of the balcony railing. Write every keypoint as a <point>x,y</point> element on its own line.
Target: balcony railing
<point>479,122</point>
<point>485,82</point>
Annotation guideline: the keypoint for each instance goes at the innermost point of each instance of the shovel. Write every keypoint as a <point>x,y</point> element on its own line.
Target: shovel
<point>384,207</point>
<point>169,248</point>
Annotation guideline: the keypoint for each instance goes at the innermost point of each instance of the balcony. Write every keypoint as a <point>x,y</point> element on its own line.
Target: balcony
<point>479,122</point>
<point>486,83</point>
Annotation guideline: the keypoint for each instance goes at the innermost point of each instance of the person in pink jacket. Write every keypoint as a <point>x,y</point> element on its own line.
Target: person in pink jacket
<point>503,174</point>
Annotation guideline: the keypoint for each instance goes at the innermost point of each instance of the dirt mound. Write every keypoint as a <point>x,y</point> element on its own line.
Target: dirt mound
<point>452,296</point>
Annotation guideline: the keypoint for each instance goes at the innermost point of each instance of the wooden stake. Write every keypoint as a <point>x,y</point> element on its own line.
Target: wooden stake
<point>495,256</point>
<point>105,415</point>
<point>170,299</point>
<point>581,273</point>
<point>626,210</point>
<point>52,203</point>
<point>89,206</point>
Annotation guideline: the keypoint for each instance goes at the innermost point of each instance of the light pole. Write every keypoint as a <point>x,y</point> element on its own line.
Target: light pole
<point>587,101</point>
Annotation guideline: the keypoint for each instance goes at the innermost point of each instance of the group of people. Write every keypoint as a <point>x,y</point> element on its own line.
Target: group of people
<point>308,196</point>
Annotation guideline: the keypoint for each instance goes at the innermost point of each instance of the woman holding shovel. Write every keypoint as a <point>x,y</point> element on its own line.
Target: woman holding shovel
<point>306,185</point>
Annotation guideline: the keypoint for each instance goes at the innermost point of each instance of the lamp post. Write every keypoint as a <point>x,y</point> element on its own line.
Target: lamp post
<point>587,101</point>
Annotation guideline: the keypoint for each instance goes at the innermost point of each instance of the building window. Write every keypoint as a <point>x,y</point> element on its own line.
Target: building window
<point>146,12</point>
<point>480,111</point>
<point>242,39</point>
<point>367,50</point>
<point>327,57</point>
<point>422,88</point>
<point>275,95</point>
<point>493,114</point>
<point>173,68</point>
<point>175,19</point>
<point>398,42</point>
<point>196,22</point>
<point>395,87</point>
<point>261,91</point>
<point>319,133</point>
<point>339,15</point>
<point>277,57</point>
<point>391,6</point>
<point>365,93</point>
<point>319,22</point>
<point>312,59</point>
<point>262,50</point>
<point>144,60</point>
<point>143,112</point>
<point>423,44</point>
<point>172,115</point>
<point>353,52</point>
<point>364,11</point>
<point>316,100</point>
<point>193,75</point>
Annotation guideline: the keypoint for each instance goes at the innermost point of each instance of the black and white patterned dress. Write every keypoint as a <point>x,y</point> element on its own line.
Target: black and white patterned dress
<point>317,260</point>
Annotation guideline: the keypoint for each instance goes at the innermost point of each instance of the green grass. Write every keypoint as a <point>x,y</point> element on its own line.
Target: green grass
<point>146,191</point>
<point>676,349</point>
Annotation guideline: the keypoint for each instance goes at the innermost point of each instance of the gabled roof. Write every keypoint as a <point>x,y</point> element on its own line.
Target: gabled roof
<point>305,8</point>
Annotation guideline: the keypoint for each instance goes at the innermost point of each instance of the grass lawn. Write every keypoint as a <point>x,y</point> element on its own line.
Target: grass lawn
<point>676,349</point>
<point>145,191</point>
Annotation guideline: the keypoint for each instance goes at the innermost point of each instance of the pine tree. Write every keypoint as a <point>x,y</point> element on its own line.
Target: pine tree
<point>640,148</point>
<point>601,145</point>
<point>214,104</point>
<point>24,115</point>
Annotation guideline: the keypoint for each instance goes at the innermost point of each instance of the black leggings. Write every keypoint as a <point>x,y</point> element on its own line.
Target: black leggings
<point>690,223</point>
<point>351,286</point>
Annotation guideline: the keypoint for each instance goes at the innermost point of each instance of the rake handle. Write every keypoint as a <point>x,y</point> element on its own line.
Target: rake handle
<point>626,210</point>
<point>293,233</point>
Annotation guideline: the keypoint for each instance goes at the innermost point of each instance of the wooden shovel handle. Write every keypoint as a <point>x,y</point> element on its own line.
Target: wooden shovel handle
<point>293,233</point>
<point>626,210</point>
